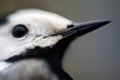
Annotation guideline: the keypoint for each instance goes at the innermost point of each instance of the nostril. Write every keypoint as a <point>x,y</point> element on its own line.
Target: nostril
<point>69,26</point>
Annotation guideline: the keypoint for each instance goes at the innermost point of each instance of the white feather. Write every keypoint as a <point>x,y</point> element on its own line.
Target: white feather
<point>40,23</point>
<point>4,65</point>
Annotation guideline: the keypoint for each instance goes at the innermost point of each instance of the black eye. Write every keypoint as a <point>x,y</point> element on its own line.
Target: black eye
<point>19,31</point>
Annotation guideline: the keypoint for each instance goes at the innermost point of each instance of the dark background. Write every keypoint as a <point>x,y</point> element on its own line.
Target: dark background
<point>95,56</point>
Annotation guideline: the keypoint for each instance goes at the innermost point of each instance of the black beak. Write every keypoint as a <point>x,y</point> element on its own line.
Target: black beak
<point>82,28</point>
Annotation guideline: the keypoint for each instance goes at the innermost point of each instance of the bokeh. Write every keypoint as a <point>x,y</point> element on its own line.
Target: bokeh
<point>94,56</point>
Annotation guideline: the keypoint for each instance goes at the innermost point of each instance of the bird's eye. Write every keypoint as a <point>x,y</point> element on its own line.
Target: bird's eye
<point>19,31</point>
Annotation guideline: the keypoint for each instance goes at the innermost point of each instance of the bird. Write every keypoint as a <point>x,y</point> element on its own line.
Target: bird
<point>33,43</point>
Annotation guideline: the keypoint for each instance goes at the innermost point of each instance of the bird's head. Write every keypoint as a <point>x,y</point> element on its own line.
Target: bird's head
<point>36,30</point>
<point>26,29</point>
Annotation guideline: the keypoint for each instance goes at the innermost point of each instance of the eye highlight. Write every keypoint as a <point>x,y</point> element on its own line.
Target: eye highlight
<point>19,31</point>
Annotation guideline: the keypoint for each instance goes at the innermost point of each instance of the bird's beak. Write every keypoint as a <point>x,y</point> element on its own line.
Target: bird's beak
<point>82,28</point>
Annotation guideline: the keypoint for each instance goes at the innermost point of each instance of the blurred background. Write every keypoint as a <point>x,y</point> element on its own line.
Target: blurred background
<point>95,56</point>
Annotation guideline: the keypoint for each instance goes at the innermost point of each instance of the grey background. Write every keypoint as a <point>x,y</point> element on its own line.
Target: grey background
<point>95,56</point>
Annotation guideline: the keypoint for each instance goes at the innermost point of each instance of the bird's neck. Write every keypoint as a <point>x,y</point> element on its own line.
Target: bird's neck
<point>52,55</point>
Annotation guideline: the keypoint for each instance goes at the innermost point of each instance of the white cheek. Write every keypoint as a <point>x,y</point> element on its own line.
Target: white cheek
<point>8,47</point>
<point>50,41</point>
<point>4,65</point>
<point>7,52</point>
